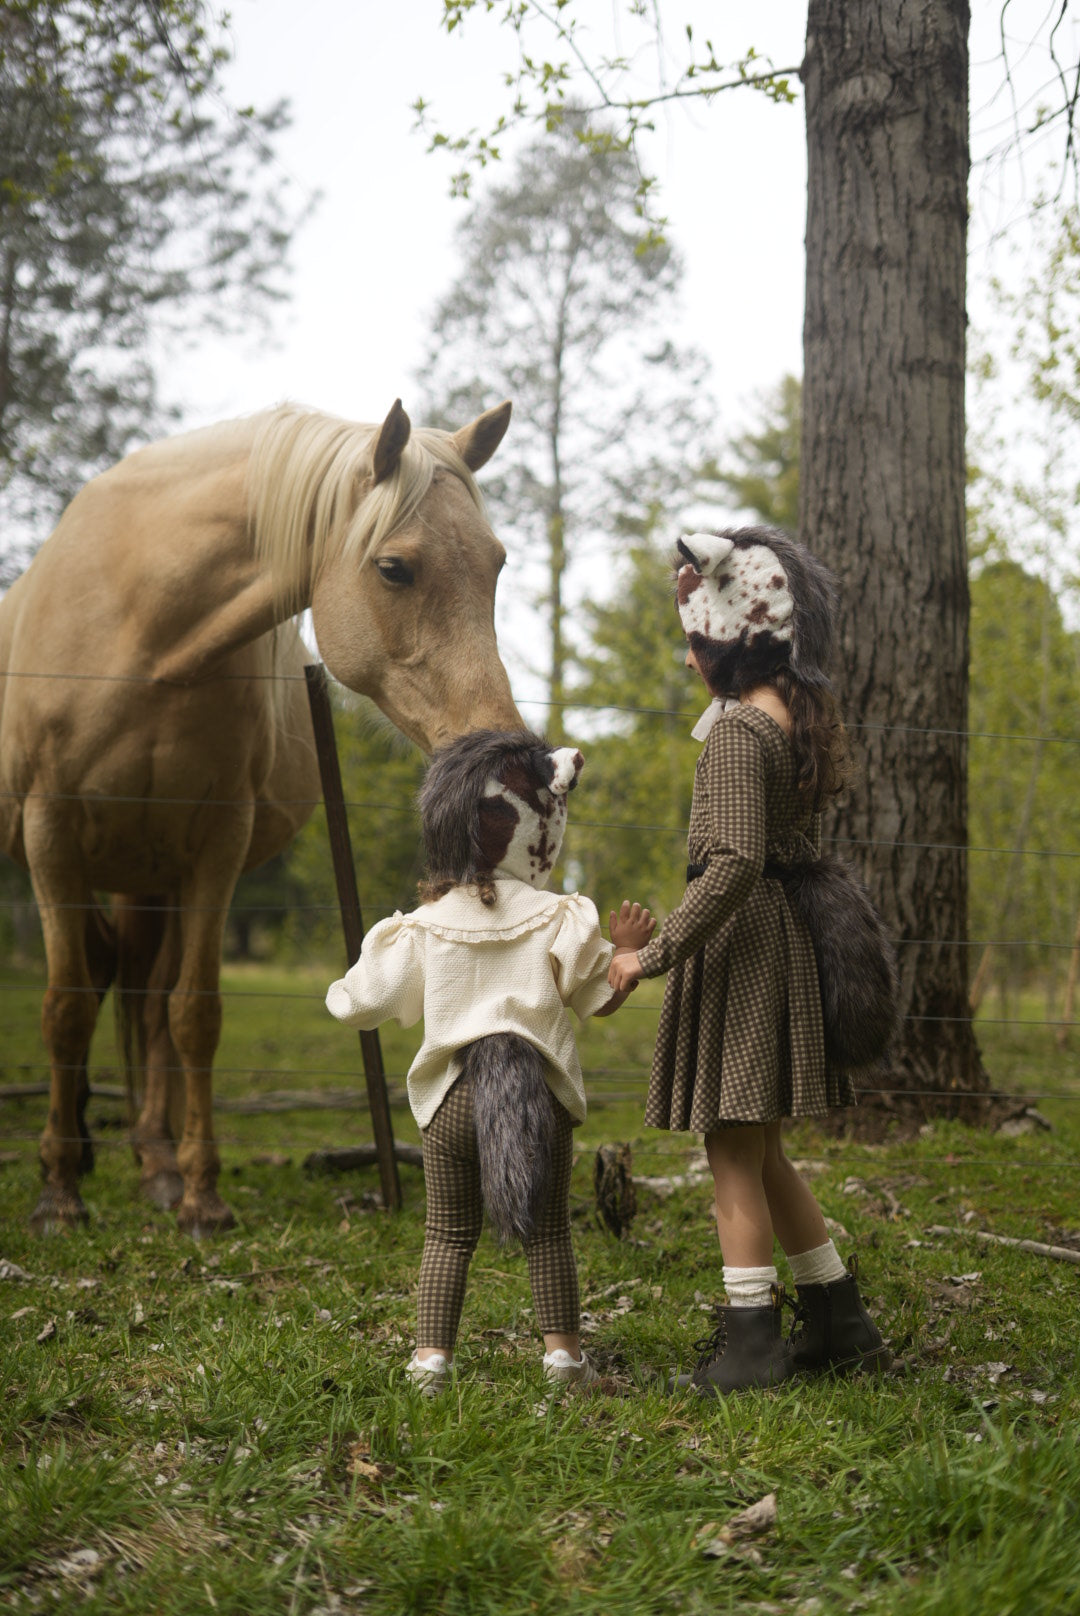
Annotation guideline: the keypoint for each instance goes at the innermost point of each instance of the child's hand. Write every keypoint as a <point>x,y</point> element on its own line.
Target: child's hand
<point>632,926</point>
<point>624,972</point>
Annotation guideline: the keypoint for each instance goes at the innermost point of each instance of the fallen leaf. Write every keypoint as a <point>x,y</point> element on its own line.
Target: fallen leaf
<point>48,1332</point>
<point>750,1522</point>
<point>759,1517</point>
<point>363,1465</point>
<point>78,1564</point>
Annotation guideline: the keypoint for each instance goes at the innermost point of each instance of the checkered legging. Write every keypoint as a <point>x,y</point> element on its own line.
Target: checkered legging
<point>455,1214</point>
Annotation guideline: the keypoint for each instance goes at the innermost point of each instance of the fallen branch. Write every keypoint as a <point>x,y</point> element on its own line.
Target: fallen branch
<point>348,1157</point>
<point>1036,1247</point>
<point>251,1105</point>
<point>31,1091</point>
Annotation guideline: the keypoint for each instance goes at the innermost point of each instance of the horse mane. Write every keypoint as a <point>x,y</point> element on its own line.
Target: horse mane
<point>305,491</point>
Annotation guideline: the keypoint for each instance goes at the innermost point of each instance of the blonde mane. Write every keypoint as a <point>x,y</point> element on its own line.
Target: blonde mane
<point>305,494</point>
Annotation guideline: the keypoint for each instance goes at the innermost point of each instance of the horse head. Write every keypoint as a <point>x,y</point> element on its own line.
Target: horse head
<point>402,586</point>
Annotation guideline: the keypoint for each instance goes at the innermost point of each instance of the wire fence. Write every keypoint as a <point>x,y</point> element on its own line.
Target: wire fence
<point>609,1084</point>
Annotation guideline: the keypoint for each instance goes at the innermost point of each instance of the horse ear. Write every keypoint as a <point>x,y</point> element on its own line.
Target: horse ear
<point>393,436</point>
<point>477,442</point>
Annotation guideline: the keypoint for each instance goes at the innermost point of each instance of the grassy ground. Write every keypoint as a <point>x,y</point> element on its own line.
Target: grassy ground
<point>225,1428</point>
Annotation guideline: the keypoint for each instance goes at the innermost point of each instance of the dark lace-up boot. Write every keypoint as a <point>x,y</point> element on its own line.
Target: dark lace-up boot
<point>747,1348</point>
<point>833,1331</point>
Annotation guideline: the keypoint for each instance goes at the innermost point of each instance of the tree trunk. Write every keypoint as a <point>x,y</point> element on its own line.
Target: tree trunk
<point>882,487</point>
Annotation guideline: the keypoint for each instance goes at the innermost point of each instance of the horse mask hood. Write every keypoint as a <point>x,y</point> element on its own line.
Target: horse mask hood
<point>493,804</point>
<point>752,600</point>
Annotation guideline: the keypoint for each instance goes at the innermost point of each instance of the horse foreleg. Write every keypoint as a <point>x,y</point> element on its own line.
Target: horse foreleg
<point>68,1015</point>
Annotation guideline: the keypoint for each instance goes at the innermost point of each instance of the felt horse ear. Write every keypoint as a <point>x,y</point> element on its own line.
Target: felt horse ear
<point>477,442</point>
<point>390,444</point>
<point>704,551</point>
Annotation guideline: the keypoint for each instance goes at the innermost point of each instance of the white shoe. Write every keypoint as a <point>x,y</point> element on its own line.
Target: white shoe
<point>560,1368</point>
<point>428,1375</point>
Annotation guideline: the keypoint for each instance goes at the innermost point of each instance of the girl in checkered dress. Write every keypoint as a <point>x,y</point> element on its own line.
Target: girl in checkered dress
<point>494,962</point>
<point>745,1038</point>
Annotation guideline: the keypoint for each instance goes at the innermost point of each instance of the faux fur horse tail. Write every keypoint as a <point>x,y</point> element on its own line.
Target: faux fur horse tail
<point>856,960</point>
<point>515,1130</point>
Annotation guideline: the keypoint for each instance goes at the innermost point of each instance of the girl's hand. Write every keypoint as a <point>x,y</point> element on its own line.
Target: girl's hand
<point>624,972</point>
<point>632,926</point>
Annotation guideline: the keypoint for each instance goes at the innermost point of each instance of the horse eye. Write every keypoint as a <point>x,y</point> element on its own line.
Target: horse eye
<point>394,570</point>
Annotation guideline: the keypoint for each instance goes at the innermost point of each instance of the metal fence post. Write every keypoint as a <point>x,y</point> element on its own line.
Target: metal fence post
<point>322,721</point>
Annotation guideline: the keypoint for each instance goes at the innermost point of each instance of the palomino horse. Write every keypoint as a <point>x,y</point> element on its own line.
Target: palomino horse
<point>155,739</point>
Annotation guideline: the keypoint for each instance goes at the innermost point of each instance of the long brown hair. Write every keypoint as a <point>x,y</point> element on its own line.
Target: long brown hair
<point>823,765</point>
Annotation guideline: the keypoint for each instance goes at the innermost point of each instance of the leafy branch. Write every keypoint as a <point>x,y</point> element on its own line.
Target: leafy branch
<point>545,82</point>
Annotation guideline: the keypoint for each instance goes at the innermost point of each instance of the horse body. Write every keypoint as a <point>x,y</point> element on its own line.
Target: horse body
<point>155,739</point>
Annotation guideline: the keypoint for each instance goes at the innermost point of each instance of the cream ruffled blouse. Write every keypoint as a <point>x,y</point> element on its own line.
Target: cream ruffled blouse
<point>526,960</point>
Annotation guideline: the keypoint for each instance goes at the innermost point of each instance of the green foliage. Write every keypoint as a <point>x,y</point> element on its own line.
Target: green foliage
<point>1025,682</point>
<point>380,776</point>
<point>131,200</point>
<point>1025,651</point>
<point>627,830</point>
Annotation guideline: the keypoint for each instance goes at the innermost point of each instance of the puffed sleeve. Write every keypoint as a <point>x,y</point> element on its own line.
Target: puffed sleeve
<point>387,981</point>
<point>580,956</point>
<point>733,773</point>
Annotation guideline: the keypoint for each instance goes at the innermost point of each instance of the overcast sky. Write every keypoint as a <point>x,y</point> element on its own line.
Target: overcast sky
<point>378,251</point>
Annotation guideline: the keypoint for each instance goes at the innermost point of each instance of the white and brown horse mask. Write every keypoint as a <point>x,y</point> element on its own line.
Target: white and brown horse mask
<point>494,806</point>
<point>752,600</point>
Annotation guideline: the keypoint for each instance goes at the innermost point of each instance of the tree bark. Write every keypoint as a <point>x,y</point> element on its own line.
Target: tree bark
<point>882,487</point>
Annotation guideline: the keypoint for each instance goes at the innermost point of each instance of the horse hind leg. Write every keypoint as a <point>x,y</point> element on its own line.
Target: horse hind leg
<point>195,1027</point>
<point>149,962</point>
<point>160,1180</point>
<point>100,938</point>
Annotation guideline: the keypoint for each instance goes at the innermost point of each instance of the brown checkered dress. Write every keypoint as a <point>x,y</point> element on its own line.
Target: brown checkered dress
<point>740,1036</point>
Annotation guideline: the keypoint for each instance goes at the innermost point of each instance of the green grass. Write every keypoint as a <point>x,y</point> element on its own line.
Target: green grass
<point>226,1428</point>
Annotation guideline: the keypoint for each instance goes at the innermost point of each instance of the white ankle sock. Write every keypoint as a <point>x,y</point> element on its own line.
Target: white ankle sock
<point>749,1287</point>
<point>817,1267</point>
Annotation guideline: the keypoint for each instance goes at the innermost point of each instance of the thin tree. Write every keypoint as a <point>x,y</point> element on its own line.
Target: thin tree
<point>559,307</point>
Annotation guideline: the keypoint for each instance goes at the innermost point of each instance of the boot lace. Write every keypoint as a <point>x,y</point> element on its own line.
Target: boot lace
<point>712,1346</point>
<point>799,1317</point>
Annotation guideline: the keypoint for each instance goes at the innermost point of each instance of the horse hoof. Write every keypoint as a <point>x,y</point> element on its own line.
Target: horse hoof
<point>57,1212</point>
<point>163,1189</point>
<point>205,1217</point>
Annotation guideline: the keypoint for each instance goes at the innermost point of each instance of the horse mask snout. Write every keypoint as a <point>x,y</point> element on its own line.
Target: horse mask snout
<point>523,814</point>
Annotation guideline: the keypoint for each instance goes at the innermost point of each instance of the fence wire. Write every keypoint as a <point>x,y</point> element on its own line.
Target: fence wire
<point>382,904</point>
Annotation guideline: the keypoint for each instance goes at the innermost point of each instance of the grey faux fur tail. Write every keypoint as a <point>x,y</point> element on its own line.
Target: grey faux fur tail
<point>515,1129</point>
<point>860,984</point>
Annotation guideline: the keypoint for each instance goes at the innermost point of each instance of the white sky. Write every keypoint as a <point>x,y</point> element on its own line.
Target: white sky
<point>371,263</point>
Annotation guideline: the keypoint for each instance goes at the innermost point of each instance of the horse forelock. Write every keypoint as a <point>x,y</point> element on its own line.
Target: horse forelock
<point>306,496</point>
